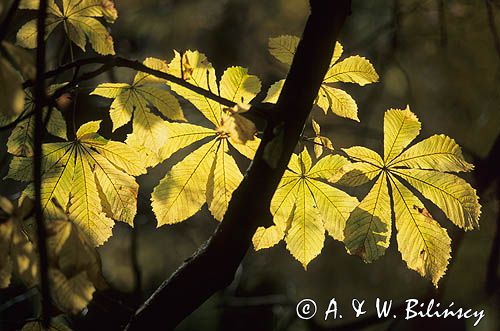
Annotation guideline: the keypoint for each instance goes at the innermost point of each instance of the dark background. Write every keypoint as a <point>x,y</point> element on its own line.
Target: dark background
<point>437,56</point>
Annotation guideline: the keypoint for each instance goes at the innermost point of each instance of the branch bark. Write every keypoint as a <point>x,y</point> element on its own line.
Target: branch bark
<point>39,93</point>
<point>213,266</point>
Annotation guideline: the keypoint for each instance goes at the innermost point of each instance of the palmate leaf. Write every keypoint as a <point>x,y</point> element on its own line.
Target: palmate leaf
<point>134,101</point>
<point>355,69</point>
<point>423,243</point>
<point>209,174</point>
<point>91,175</point>
<point>79,19</point>
<point>304,206</point>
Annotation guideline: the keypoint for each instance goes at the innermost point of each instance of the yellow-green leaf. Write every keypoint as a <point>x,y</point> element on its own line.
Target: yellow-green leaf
<point>368,229</point>
<point>364,154</point>
<point>423,243</point>
<point>238,86</point>
<point>88,175</point>
<point>334,205</point>
<point>327,167</point>
<point>354,69</point>
<point>182,192</point>
<point>341,103</point>
<point>437,152</point>
<point>306,235</point>
<point>199,72</point>
<point>453,195</point>
<point>180,135</point>
<point>274,92</point>
<point>400,128</point>
<point>224,178</point>
<point>283,48</point>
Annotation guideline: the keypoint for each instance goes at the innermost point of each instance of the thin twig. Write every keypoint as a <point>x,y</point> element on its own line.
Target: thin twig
<point>120,62</point>
<point>39,92</point>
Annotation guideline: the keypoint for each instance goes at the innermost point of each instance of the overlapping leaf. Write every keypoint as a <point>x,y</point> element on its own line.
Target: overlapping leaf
<point>90,175</point>
<point>20,142</point>
<point>304,206</point>
<point>79,19</point>
<point>423,243</point>
<point>209,174</point>
<point>354,69</point>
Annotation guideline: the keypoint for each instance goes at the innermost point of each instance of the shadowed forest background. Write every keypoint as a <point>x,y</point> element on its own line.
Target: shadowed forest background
<point>437,56</point>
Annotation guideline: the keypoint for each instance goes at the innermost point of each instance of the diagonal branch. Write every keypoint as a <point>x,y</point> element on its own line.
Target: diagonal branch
<point>213,266</point>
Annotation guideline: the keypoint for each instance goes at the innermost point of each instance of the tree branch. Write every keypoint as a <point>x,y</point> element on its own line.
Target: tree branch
<point>113,61</point>
<point>213,266</point>
<point>39,93</point>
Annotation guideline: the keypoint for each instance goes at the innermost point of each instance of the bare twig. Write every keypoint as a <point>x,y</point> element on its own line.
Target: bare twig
<point>39,93</point>
<point>119,62</point>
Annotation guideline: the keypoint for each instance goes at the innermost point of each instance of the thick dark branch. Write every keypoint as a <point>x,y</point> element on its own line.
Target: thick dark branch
<point>213,267</point>
<point>8,19</point>
<point>39,93</point>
